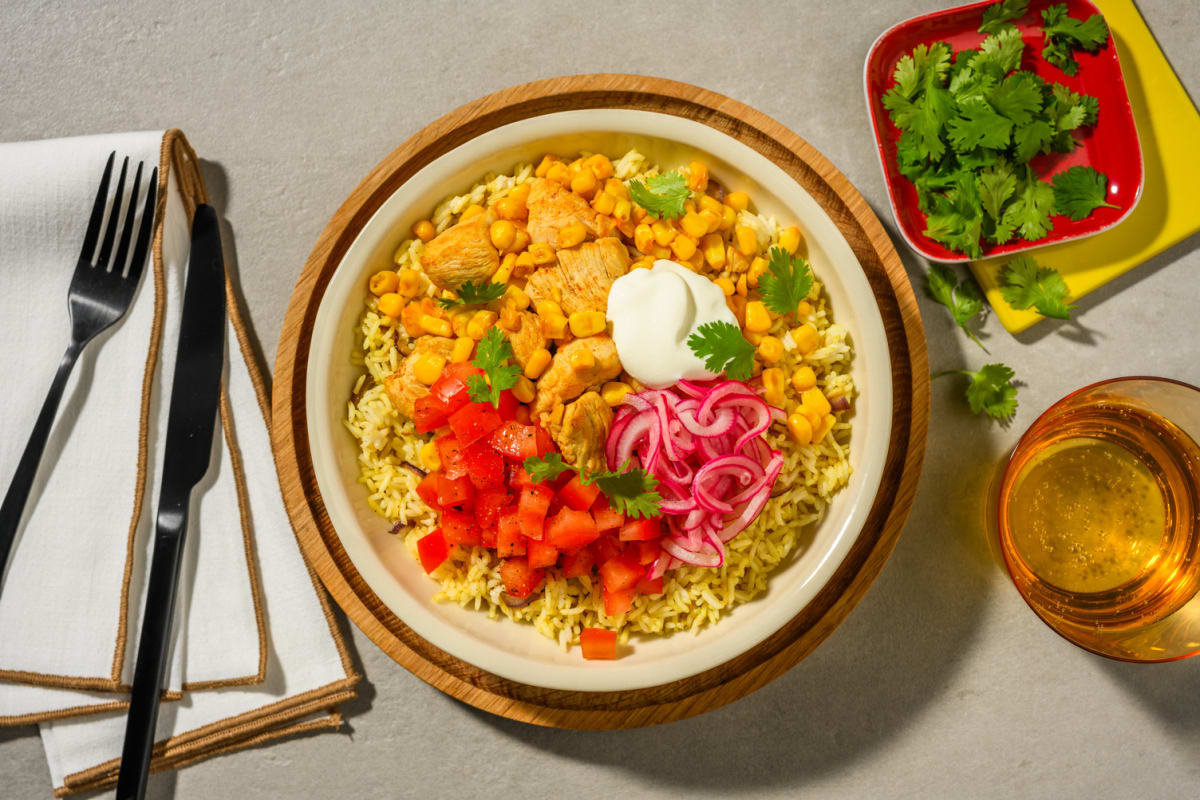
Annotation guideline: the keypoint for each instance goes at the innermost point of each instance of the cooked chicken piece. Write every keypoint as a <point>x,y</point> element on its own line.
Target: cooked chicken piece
<point>526,338</point>
<point>462,253</point>
<point>582,432</point>
<point>582,277</point>
<point>552,207</point>
<point>563,381</point>
<point>402,385</point>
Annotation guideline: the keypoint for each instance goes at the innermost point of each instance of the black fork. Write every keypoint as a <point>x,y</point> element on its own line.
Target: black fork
<point>100,294</point>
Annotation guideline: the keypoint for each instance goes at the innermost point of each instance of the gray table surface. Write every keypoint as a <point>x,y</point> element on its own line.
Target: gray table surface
<point>940,684</point>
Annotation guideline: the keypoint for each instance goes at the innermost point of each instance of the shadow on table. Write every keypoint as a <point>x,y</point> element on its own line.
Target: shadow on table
<point>1170,691</point>
<point>895,654</point>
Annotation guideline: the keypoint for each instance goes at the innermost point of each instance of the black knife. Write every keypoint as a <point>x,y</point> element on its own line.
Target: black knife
<point>195,391</point>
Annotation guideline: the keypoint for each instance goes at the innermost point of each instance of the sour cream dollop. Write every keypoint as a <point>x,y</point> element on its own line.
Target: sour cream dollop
<point>653,312</point>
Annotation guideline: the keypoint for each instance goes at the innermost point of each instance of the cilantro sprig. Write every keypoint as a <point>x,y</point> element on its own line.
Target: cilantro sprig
<point>962,299</point>
<point>990,391</point>
<point>470,294</point>
<point>1062,35</point>
<point>1079,191</point>
<point>723,349</point>
<point>662,196</point>
<point>1026,283</point>
<point>999,16</point>
<point>786,282</point>
<point>629,490</point>
<point>490,356</point>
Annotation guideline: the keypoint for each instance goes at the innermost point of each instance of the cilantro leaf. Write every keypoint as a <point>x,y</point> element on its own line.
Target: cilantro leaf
<point>493,350</point>
<point>787,281</point>
<point>1025,283</point>
<point>662,196</point>
<point>996,185</point>
<point>630,491</point>
<point>978,125</point>
<point>1062,35</point>
<point>723,349</point>
<point>1031,139</point>
<point>956,218</point>
<point>1079,191</point>
<point>999,16</point>
<point>1004,49</point>
<point>1031,207</point>
<point>545,468</point>
<point>1017,97</point>
<point>963,299</point>
<point>990,391</point>
<point>470,294</point>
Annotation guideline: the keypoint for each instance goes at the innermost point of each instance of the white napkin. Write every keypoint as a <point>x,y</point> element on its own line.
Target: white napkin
<point>60,604</point>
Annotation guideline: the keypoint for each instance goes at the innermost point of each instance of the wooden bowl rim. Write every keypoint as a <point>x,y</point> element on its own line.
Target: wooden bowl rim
<point>716,686</point>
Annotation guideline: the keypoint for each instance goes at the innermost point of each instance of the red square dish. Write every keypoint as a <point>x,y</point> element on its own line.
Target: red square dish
<point>1111,146</point>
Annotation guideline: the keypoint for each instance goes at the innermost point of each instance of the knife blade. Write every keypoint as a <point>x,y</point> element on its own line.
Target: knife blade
<point>191,419</point>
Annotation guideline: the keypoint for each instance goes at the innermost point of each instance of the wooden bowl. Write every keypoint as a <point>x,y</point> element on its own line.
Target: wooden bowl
<point>736,671</point>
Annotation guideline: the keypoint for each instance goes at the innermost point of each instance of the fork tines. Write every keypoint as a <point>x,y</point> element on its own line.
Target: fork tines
<point>120,266</point>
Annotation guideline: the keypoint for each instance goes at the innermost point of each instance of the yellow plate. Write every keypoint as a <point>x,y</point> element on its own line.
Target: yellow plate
<point>1169,128</point>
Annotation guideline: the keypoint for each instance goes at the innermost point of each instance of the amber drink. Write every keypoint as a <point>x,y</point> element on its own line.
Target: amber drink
<point>1099,518</point>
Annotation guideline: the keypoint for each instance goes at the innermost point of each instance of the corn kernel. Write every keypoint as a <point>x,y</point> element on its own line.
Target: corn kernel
<point>391,305</point>
<point>600,166</point>
<point>505,270</point>
<point>770,350</point>
<point>524,264</point>
<point>643,238</point>
<point>480,322</point>
<point>428,368</point>
<point>508,320</point>
<point>584,183</point>
<point>424,230</point>
<point>614,392</point>
<point>645,262</point>
<point>757,267</point>
<point>737,304</point>
<point>804,308</point>
<point>461,352</point>
<point>815,399</point>
<point>742,287</point>
<point>410,317</point>
<point>581,359</point>
<point>827,423</point>
<point>728,217</point>
<point>554,326</point>
<point>430,458</point>
<point>697,176</point>
<point>520,192</point>
<point>740,201</point>
<point>804,379</point>
<point>502,233</point>
<point>790,239</point>
<point>696,262</point>
<point>471,211</point>
<point>660,252</point>
<point>616,188</point>
<point>714,250</point>
<point>523,390</point>
<point>726,286</point>
<point>545,308</point>
<point>640,214</point>
<point>587,323</point>
<point>544,167</point>
<point>694,225</point>
<point>745,240</point>
<point>800,429</point>
<point>806,338</point>
<point>683,247</point>
<point>516,297</point>
<point>536,364</point>
<point>408,283</point>
<point>383,282</point>
<point>541,253</point>
<point>511,208</point>
<point>436,326</point>
<point>712,220</point>
<point>559,173</point>
<point>772,379</point>
<point>459,320</point>
<point>604,203</point>
<point>758,319</point>
<point>710,204</point>
<point>571,235</point>
<point>663,233</point>
<point>622,209</point>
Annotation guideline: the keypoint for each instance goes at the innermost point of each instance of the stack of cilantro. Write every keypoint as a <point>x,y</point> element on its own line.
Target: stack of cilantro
<point>971,122</point>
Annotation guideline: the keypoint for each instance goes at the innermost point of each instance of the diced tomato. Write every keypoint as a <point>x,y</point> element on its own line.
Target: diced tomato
<point>541,554</point>
<point>454,492</point>
<point>487,537</point>
<point>485,467</point>
<point>647,586</point>
<point>545,444</point>
<point>459,528</point>
<point>619,573</point>
<point>535,501</point>
<point>523,415</point>
<point>618,602</point>
<point>578,495</point>
<point>640,530</point>
<point>474,421</point>
<point>647,552</point>
<point>508,405</point>
<point>509,539</point>
<point>570,529</point>
<point>514,440</point>
<point>450,452</point>
<point>489,504</point>
<point>598,643</point>
<point>427,489</point>
<point>607,519</point>
<point>432,550</point>
<point>518,478</point>
<point>577,563</point>
<point>451,387</point>
<point>429,413</point>
<point>519,578</point>
<point>606,548</point>
<point>461,370</point>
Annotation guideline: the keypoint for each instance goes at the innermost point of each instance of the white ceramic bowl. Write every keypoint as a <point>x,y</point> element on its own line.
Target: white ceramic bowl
<point>517,651</point>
